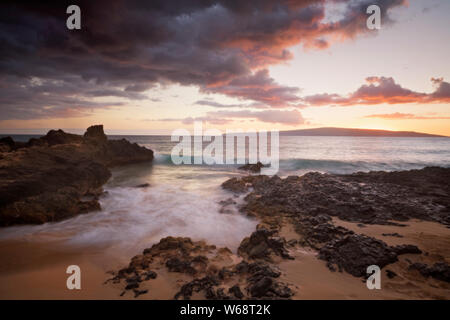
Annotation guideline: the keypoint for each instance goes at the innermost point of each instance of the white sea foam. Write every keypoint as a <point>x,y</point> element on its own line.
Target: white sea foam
<point>143,216</point>
<point>134,218</point>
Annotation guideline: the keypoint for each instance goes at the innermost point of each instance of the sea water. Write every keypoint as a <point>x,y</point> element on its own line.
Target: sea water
<point>184,200</point>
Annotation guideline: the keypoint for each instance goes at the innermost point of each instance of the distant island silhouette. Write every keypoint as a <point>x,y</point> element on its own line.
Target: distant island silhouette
<point>350,132</point>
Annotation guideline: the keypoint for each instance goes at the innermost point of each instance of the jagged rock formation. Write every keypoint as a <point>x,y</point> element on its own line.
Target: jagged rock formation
<point>46,179</point>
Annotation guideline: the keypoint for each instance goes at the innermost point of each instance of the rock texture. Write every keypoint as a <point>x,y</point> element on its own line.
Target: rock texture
<point>355,253</point>
<point>439,270</point>
<point>252,167</point>
<point>209,272</point>
<point>308,205</point>
<point>310,202</point>
<point>48,178</point>
<point>370,198</point>
<point>261,244</point>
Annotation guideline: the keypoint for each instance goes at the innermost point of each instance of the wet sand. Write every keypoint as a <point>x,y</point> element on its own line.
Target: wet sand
<point>38,270</point>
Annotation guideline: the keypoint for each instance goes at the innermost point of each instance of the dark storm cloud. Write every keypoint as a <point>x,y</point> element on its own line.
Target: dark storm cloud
<point>126,47</point>
<point>31,98</point>
<point>258,87</point>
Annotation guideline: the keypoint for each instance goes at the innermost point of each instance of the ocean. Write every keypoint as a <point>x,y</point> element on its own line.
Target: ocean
<point>184,200</point>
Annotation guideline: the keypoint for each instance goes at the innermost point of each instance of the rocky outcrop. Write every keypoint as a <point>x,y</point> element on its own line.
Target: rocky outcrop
<point>310,202</point>
<point>59,175</point>
<point>354,253</point>
<point>370,198</point>
<point>258,279</point>
<point>95,133</point>
<point>252,167</point>
<point>241,185</point>
<point>54,137</point>
<point>208,270</point>
<point>262,244</point>
<point>262,281</point>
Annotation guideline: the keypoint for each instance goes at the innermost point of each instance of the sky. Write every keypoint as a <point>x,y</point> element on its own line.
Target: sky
<point>150,67</point>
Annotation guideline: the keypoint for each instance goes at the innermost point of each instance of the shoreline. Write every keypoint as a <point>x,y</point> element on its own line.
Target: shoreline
<point>43,276</point>
<point>315,236</point>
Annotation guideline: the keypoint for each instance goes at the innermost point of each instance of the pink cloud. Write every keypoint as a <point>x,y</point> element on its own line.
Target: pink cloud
<point>379,90</point>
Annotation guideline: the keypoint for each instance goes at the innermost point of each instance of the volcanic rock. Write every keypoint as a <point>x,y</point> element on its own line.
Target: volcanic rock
<point>46,179</point>
<point>366,198</point>
<point>439,270</point>
<point>236,291</point>
<point>261,244</point>
<point>354,253</point>
<point>255,167</point>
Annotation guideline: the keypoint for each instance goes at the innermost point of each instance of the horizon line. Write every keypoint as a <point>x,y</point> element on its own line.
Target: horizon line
<point>120,132</point>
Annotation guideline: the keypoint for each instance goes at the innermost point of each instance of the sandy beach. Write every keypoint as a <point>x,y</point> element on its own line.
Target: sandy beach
<point>37,271</point>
